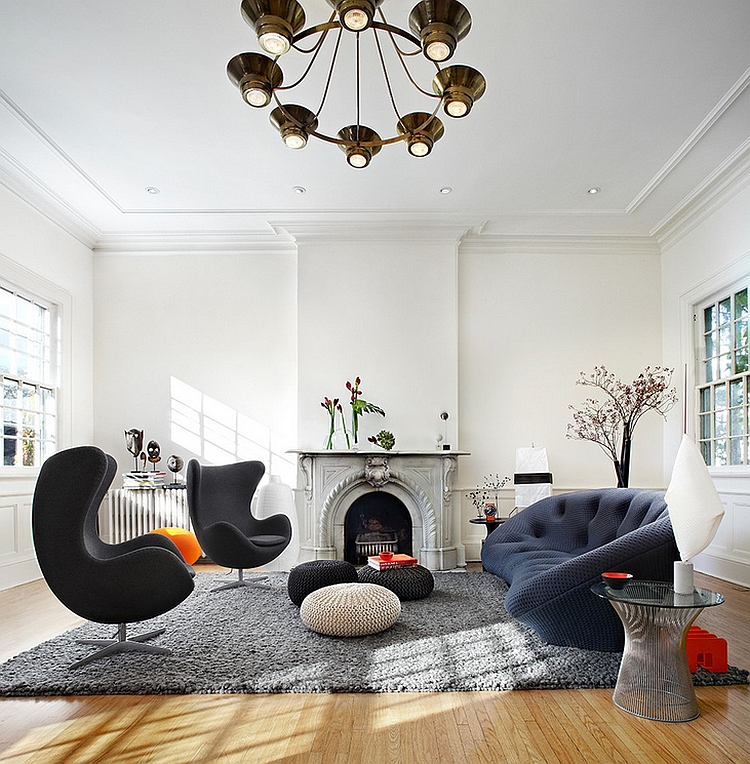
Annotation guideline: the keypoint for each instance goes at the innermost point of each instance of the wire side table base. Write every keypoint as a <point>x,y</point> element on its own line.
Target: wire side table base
<point>654,681</point>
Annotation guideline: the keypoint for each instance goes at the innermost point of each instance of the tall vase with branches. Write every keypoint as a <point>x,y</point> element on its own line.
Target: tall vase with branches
<point>610,423</point>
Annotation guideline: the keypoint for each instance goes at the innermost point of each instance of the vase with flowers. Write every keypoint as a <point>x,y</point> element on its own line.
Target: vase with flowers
<point>360,407</point>
<point>338,436</point>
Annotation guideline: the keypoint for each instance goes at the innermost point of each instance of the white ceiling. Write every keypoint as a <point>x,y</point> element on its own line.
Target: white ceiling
<point>647,99</point>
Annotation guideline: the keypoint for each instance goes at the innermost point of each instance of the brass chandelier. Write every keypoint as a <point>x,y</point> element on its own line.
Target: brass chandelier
<point>436,27</point>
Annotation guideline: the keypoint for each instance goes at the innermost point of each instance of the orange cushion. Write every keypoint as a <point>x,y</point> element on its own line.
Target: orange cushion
<point>184,540</point>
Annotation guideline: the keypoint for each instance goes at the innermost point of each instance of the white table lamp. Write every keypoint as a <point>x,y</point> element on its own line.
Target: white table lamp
<point>695,510</point>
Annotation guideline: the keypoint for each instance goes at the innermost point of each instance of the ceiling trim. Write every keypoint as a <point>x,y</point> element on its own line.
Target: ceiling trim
<point>693,139</point>
<point>40,197</point>
<point>550,244</point>
<point>725,181</point>
<point>198,243</point>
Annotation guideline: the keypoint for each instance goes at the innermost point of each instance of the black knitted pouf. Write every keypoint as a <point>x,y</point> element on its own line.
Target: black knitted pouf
<point>309,576</point>
<point>407,583</point>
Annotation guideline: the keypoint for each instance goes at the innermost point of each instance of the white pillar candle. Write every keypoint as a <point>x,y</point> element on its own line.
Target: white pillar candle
<point>683,577</point>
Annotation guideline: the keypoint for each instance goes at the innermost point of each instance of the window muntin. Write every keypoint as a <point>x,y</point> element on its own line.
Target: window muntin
<point>28,378</point>
<point>723,393</point>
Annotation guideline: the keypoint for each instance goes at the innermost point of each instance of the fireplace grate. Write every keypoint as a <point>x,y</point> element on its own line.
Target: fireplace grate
<point>369,544</point>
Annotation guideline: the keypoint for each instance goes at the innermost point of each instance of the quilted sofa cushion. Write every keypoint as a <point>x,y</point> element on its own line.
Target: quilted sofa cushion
<point>551,553</point>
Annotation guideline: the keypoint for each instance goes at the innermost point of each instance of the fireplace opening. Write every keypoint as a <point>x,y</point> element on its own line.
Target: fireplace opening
<point>376,521</point>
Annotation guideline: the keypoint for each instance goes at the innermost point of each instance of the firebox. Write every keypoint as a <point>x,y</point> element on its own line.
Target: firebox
<point>375,522</point>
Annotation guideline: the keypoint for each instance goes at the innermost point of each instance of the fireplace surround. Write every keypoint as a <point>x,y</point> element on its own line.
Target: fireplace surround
<point>422,480</point>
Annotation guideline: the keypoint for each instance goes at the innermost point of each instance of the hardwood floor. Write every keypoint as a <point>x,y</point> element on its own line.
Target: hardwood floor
<point>550,726</point>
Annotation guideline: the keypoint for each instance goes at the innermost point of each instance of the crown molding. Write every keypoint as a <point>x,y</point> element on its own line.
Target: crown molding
<point>40,197</point>
<point>725,181</point>
<point>724,104</point>
<point>198,243</point>
<point>551,244</point>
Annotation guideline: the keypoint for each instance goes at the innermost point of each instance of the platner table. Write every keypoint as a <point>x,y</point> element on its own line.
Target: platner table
<point>654,681</point>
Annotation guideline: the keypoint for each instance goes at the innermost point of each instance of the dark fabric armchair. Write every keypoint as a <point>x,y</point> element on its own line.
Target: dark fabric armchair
<point>107,583</point>
<point>219,502</point>
<point>553,551</point>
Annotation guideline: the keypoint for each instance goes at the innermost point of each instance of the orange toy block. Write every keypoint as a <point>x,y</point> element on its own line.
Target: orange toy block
<point>706,650</point>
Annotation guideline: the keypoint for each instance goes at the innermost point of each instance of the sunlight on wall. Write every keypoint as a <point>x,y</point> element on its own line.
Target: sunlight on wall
<point>218,434</point>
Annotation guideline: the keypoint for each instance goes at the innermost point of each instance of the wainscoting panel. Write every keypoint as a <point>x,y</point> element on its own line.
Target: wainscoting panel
<point>17,559</point>
<point>728,556</point>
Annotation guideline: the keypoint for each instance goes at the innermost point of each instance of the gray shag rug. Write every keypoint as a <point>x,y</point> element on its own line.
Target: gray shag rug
<point>252,641</point>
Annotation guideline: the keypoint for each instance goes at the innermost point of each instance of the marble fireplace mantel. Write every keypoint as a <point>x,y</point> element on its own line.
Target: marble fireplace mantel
<point>422,480</point>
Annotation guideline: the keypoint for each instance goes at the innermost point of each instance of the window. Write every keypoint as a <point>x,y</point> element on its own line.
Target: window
<point>28,375</point>
<point>723,392</point>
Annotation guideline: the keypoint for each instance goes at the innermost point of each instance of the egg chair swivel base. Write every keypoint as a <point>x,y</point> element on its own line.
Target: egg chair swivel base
<point>253,580</point>
<point>121,644</point>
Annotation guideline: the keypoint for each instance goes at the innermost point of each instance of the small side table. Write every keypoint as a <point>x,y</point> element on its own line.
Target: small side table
<point>490,525</point>
<point>654,681</point>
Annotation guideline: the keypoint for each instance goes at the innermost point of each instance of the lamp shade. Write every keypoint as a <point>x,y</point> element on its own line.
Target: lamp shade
<point>695,508</point>
<point>277,498</point>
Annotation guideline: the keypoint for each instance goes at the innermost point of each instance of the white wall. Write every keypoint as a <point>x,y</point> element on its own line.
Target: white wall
<point>37,255</point>
<point>199,351</point>
<point>711,256</point>
<point>384,311</point>
<point>529,324</point>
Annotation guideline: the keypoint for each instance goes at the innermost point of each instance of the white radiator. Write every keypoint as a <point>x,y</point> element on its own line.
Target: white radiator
<point>132,512</point>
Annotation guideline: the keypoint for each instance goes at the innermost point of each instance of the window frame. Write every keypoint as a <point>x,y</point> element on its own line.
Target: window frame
<point>705,389</point>
<point>32,286</point>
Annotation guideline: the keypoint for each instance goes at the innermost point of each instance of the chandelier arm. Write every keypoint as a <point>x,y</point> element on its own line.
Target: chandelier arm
<point>385,75</point>
<point>315,52</point>
<point>317,29</point>
<point>334,58</point>
<point>392,30</point>
<point>358,89</point>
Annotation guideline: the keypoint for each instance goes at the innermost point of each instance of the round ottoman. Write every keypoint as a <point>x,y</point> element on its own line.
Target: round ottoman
<point>185,542</point>
<point>408,583</point>
<point>309,576</point>
<point>350,610</point>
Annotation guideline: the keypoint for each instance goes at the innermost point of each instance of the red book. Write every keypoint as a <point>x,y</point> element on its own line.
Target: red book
<point>397,561</point>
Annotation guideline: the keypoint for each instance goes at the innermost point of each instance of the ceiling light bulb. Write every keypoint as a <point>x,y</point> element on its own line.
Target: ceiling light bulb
<point>358,159</point>
<point>445,190</point>
<point>594,190</point>
<point>257,96</point>
<point>299,190</point>
<point>152,190</point>
<point>295,139</point>
<point>274,43</point>
<point>438,51</point>
<point>356,19</point>
<point>419,148</point>
<point>457,107</point>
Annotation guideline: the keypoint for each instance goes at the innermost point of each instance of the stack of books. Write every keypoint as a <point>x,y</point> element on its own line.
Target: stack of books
<point>143,479</point>
<point>396,561</point>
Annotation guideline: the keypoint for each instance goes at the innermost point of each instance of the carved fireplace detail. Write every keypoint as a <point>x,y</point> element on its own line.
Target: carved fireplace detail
<point>422,480</point>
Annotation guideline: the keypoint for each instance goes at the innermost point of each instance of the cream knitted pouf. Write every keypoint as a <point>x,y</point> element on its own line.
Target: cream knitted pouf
<point>350,610</point>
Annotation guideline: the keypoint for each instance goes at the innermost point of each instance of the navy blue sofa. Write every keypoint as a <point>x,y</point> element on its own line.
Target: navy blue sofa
<point>553,551</point>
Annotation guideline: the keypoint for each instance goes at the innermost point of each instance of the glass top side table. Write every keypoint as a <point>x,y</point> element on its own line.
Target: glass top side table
<point>654,681</point>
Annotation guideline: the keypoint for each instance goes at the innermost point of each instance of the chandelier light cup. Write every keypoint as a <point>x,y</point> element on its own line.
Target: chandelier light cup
<point>422,130</point>
<point>460,87</point>
<point>275,22</point>
<point>440,25</point>
<point>294,123</point>
<point>356,15</point>
<point>256,76</point>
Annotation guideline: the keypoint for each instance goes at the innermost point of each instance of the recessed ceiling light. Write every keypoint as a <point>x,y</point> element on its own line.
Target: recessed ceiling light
<point>152,190</point>
<point>299,189</point>
<point>594,190</point>
<point>446,190</point>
